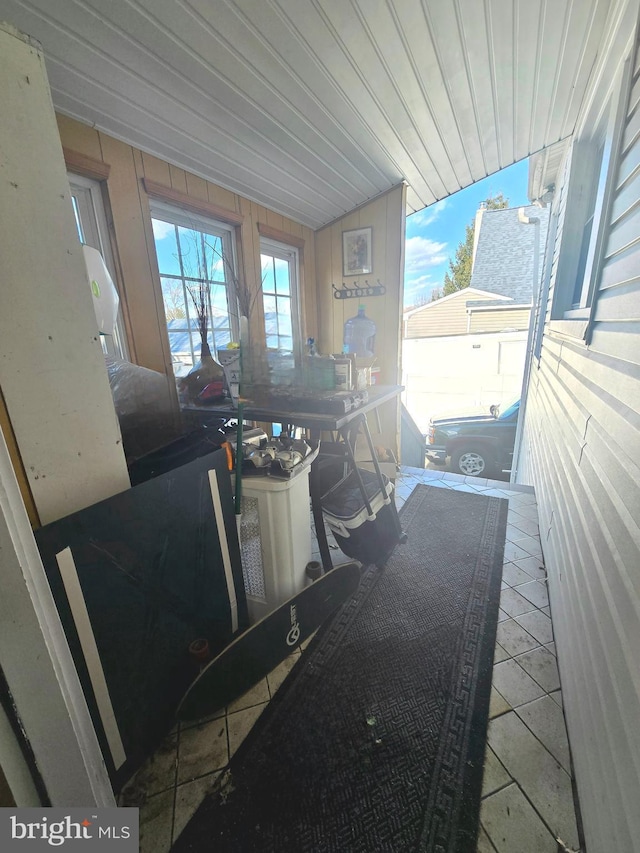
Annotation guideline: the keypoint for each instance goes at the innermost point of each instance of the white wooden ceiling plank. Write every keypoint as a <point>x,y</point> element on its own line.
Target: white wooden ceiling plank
<point>579,30</point>
<point>367,75</point>
<point>553,37</point>
<point>576,66</point>
<point>348,86</point>
<point>443,27</point>
<point>104,102</point>
<point>428,71</point>
<point>390,30</point>
<point>476,38</point>
<point>152,104</point>
<point>500,23</point>
<point>318,105</point>
<point>111,63</point>
<point>527,24</point>
<point>375,45</point>
<point>247,91</point>
<point>174,148</point>
<point>292,65</point>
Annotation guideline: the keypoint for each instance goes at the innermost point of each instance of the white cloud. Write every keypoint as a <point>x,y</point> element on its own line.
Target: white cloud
<point>429,214</point>
<point>422,253</point>
<point>161,229</point>
<point>419,290</point>
<point>420,282</point>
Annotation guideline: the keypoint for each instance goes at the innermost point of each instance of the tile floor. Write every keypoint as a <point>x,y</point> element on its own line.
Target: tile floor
<point>527,790</point>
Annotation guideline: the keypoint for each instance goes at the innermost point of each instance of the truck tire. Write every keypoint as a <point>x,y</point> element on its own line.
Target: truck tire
<point>472,462</point>
<point>439,462</point>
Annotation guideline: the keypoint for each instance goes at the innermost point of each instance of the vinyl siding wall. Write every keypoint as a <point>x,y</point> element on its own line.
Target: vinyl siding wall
<point>450,318</point>
<point>581,450</point>
<point>443,317</point>
<point>497,321</point>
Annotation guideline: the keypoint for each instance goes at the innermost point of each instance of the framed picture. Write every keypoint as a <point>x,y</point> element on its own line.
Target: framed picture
<point>356,252</point>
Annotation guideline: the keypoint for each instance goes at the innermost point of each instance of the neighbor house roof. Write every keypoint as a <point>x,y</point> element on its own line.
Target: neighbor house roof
<point>505,252</point>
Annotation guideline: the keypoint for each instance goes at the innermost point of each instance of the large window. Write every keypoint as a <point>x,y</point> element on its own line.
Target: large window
<point>91,222</point>
<point>195,261</point>
<point>279,264</point>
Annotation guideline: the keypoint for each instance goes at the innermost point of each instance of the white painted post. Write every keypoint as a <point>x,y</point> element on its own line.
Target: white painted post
<point>39,670</point>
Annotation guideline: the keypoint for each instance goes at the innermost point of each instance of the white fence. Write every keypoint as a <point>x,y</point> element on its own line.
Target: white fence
<point>461,373</point>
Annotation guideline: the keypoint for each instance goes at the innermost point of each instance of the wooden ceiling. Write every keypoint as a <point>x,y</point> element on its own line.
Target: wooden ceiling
<point>312,107</point>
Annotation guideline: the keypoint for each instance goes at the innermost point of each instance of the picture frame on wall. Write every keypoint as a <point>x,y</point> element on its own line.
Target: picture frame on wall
<point>357,251</point>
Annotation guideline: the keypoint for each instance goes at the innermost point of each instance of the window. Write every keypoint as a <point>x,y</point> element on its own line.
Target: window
<point>195,259</point>
<point>280,298</point>
<point>594,157</point>
<point>91,222</point>
<point>590,188</point>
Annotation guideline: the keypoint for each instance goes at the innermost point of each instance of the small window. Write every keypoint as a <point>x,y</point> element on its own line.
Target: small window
<point>91,223</point>
<point>280,297</point>
<point>588,199</point>
<point>196,263</point>
<point>595,156</point>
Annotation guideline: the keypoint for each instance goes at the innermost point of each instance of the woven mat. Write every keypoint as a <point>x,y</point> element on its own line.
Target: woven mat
<point>375,742</point>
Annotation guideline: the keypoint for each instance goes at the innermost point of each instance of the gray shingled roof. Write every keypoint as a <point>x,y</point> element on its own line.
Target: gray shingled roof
<point>504,254</point>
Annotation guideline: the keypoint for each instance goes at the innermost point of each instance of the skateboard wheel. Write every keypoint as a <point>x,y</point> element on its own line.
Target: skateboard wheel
<point>199,650</point>
<point>313,570</point>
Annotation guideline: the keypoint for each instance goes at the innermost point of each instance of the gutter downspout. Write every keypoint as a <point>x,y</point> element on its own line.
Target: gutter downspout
<point>535,221</point>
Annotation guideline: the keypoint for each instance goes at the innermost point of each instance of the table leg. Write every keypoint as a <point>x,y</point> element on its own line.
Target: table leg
<point>318,520</point>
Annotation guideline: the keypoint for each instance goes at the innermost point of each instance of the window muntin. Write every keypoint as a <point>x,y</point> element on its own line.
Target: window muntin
<point>194,253</point>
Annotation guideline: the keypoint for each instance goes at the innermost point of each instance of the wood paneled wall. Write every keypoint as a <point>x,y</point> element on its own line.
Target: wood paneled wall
<point>386,216</point>
<point>582,452</point>
<point>132,236</point>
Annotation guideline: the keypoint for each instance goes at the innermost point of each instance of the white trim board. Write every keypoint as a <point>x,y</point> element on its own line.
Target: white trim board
<point>224,547</point>
<point>78,606</point>
<point>60,730</point>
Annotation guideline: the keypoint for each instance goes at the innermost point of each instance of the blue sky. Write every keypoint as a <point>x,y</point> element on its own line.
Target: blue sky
<point>433,234</point>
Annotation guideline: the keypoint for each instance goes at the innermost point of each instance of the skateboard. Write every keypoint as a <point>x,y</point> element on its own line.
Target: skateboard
<point>253,654</point>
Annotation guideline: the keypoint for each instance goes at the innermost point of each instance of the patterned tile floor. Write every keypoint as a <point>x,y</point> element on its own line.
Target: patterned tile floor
<point>527,790</point>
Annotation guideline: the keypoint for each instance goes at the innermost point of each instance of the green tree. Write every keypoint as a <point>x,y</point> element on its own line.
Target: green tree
<point>459,275</point>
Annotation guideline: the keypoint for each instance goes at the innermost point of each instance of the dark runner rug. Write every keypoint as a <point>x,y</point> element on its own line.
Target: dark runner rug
<point>376,740</point>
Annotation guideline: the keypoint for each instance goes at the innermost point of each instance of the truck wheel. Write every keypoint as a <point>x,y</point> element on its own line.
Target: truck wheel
<point>472,462</point>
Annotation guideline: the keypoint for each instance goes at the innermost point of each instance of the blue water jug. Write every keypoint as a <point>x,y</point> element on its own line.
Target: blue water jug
<point>360,335</point>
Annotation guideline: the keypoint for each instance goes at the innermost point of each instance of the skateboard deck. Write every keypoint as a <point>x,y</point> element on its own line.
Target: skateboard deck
<point>253,654</point>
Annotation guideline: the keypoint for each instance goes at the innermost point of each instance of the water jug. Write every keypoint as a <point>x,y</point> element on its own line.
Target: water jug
<point>360,335</point>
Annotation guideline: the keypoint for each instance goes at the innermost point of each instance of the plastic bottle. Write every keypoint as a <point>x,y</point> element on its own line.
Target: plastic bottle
<point>360,335</point>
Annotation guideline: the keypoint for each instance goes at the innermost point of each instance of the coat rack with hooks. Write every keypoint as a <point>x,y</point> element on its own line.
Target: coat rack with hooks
<point>359,292</point>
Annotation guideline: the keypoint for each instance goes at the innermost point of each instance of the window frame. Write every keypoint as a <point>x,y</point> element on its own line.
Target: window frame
<point>91,221</point>
<point>567,316</point>
<point>291,255</point>
<point>179,217</point>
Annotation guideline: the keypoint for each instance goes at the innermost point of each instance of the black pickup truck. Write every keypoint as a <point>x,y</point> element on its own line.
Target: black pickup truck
<point>479,445</point>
